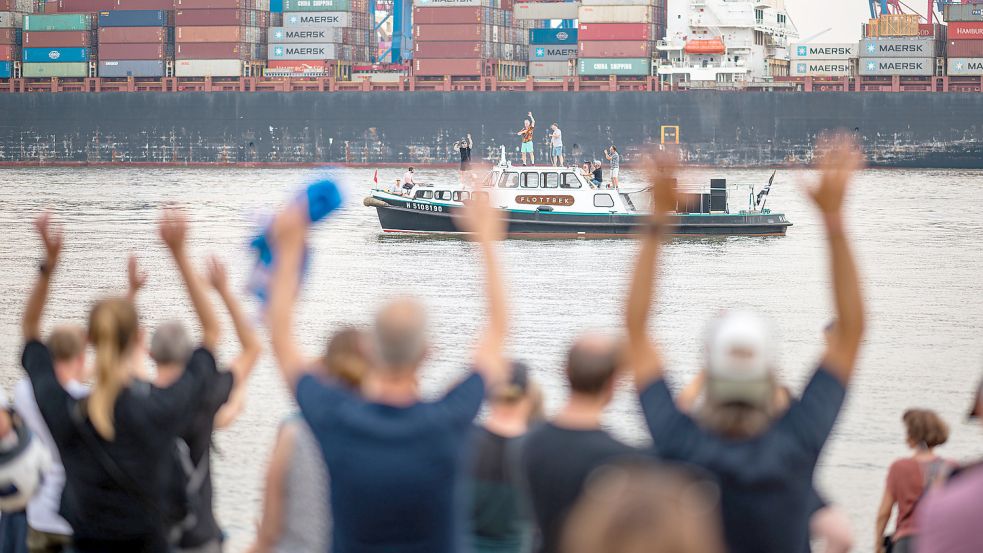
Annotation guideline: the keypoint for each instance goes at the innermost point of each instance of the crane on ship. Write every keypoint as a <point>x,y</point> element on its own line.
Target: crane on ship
<point>885,7</point>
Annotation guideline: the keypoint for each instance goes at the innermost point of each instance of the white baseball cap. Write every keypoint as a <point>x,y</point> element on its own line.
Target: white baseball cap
<point>740,358</point>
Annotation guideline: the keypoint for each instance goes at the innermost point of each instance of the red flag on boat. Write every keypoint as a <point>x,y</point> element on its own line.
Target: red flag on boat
<point>376,176</point>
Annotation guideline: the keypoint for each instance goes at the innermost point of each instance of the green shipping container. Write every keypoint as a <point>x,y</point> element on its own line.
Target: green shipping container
<point>74,69</point>
<point>622,67</point>
<point>60,22</point>
<point>316,5</point>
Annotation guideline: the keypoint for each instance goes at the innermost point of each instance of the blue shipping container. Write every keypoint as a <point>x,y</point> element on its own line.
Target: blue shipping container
<point>276,6</point>
<point>552,36</point>
<point>63,55</point>
<point>133,18</point>
<point>6,69</point>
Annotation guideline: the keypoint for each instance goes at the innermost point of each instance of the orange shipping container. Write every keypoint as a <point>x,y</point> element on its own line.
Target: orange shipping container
<point>9,52</point>
<point>454,68</point>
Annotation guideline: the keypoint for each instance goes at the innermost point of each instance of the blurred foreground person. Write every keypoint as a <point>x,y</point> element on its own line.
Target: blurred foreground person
<point>558,456</point>
<point>23,462</point>
<point>645,509</point>
<point>296,515</point>
<point>47,531</point>
<point>396,462</point>
<point>949,518</point>
<point>498,521</point>
<point>910,478</point>
<point>764,466</point>
<point>115,443</point>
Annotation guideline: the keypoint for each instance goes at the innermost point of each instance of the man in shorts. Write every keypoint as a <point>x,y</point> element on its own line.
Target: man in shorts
<point>615,159</point>
<point>556,145</point>
<point>529,125</point>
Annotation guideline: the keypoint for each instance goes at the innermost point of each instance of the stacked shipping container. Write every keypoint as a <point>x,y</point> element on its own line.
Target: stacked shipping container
<point>897,45</point>
<point>463,37</point>
<point>552,52</point>
<point>57,45</point>
<point>135,43</point>
<point>823,60</point>
<point>219,38</point>
<point>965,39</point>
<point>11,20</point>
<point>617,37</point>
<point>317,32</point>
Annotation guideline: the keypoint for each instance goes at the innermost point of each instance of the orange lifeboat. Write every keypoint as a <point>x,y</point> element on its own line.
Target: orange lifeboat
<point>705,46</point>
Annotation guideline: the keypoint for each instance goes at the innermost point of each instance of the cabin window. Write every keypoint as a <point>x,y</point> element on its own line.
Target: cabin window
<point>487,182</point>
<point>424,194</point>
<point>509,180</point>
<point>570,180</point>
<point>551,180</point>
<point>530,180</point>
<point>603,200</point>
<point>460,196</point>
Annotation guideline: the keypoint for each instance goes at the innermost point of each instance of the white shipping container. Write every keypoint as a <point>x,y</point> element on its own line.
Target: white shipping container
<point>963,12</point>
<point>546,10</point>
<point>615,14</point>
<point>909,67</point>
<point>898,47</point>
<point>960,67</point>
<point>317,20</point>
<point>552,52</point>
<point>11,20</point>
<point>302,52</point>
<point>825,51</point>
<point>550,69</point>
<point>821,68</point>
<point>207,68</point>
<point>280,35</point>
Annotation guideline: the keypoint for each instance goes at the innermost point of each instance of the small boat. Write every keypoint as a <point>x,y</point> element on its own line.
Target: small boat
<point>561,202</point>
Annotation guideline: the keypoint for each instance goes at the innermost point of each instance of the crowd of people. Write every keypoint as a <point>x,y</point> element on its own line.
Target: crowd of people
<point>119,454</point>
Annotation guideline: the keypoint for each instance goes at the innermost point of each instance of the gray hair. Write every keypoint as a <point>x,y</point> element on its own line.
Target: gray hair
<point>171,344</point>
<point>401,334</point>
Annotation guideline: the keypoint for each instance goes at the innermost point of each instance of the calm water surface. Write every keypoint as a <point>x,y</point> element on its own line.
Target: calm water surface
<point>916,234</point>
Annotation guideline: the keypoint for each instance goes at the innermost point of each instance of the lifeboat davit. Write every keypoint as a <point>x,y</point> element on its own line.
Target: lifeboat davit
<point>705,46</point>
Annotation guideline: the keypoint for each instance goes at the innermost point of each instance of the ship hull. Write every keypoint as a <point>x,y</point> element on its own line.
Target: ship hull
<point>729,129</point>
<point>412,217</point>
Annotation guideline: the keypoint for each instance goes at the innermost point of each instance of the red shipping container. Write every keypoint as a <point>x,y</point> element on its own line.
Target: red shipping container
<point>443,16</point>
<point>133,51</point>
<point>58,39</point>
<point>9,52</point>
<point>454,68</point>
<point>968,30</point>
<point>451,32</point>
<point>965,49</point>
<point>79,6</point>
<point>222,17</point>
<point>8,36</point>
<point>138,35</point>
<point>50,7</point>
<point>615,49</point>
<point>213,4</point>
<point>298,66</point>
<point>146,5</point>
<point>208,34</point>
<point>209,51</point>
<point>614,31</point>
<point>450,50</point>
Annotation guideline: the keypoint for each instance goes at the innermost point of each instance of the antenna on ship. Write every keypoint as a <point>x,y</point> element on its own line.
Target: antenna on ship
<point>503,162</point>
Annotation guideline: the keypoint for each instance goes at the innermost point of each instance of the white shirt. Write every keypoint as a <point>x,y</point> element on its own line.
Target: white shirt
<point>408,178</point>
<point>557,139</point>
<point>42,510</point>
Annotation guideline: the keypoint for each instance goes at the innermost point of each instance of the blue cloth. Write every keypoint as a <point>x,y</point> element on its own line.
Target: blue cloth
<point>13,532</point>
<point>766,482</point>
<point>397,473</point>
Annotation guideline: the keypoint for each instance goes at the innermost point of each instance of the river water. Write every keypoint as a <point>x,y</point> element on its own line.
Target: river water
<point>916,234</point>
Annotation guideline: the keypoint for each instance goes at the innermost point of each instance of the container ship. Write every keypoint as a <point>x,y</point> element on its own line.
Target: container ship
<point>299,82</point>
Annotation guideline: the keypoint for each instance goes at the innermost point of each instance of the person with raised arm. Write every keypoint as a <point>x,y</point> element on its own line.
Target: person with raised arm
<point>396,463</point>
<point>115,443</point>
<point>765,466</point>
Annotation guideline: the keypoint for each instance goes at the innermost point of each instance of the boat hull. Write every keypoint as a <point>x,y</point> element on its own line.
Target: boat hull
<point>413,217</point>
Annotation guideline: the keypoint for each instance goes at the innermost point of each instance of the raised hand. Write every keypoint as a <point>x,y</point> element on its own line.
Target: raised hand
<point>661,168</point>
<point>217,275</point>
<point>173,228</point>
<point>51,237</point>
<point>838,158</point>
<point>136,278</point>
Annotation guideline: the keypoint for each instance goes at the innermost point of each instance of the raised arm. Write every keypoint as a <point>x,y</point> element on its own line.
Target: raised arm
<point>174,232</point>
<point>242,366</point>
<point>486,226</point>
<point>643,355</point>
<point>532,120</point>
<point>289,232</point>
<point>470,142</point>
<point>136,279</point>
<point>52,239</point>
<point>839,159</point>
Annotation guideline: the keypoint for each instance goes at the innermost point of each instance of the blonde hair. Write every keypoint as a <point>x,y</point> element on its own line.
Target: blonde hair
<point>347,357</point>
<point>113,329</point>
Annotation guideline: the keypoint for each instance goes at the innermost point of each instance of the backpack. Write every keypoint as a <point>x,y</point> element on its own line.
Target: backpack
<point>183,491</point>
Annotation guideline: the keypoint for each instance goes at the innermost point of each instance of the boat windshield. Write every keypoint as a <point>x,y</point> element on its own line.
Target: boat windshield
<point>509,180</point>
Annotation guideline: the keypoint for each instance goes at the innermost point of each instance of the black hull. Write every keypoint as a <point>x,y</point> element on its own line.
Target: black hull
<point>553,225</point>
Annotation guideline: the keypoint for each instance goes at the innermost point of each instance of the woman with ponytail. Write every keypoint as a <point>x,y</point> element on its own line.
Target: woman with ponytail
<point>116,443</point>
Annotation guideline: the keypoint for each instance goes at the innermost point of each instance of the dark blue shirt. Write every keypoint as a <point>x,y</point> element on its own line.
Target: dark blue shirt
<point>766,482</point>
<point>397,473</point>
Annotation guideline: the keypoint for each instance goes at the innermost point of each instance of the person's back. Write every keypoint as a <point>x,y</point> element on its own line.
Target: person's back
<point>949,519</point>
<point>306,522</point>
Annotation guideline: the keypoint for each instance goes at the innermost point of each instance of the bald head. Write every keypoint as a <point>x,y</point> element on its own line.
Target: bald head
<point>401,334</point>
<point>592,363</point>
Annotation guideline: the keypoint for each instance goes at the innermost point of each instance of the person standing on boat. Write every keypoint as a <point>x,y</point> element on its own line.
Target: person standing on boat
<point>556,145</point>
<point>615,159</point>
<point>464,147</point>
<point>529,125</point>
<point>408,182</point>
